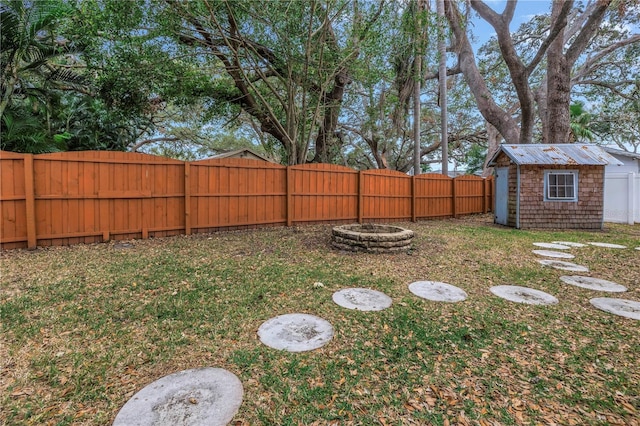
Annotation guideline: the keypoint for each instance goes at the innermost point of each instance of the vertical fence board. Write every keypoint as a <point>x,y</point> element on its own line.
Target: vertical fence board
<point>187,199</point>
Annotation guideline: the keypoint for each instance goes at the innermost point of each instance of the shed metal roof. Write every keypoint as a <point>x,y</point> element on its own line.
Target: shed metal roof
<point>556,154</point>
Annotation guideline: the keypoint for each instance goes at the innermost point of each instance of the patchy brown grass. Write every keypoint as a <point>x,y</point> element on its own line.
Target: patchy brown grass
<point>85,327</point>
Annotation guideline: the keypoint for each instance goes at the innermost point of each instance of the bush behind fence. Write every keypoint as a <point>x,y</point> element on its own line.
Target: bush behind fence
<point>92,196</point>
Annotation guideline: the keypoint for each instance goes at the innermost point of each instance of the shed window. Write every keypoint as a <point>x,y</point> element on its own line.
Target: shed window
<point>561,185</point>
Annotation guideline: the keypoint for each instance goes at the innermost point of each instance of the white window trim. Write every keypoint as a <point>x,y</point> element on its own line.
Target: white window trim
<point>565,172</point>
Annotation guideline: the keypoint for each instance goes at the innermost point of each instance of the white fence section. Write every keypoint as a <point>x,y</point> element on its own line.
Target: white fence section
<point>622,198</point>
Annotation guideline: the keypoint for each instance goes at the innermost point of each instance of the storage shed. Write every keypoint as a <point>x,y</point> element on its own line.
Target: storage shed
<point>550,186</point>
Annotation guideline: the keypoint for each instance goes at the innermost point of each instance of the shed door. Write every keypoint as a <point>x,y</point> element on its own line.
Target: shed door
<point>502,195</point>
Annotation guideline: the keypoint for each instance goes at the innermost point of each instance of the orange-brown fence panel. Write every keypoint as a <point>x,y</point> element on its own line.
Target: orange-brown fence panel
<point>386,195</point>
<point>13,198</point>
<point>232,193</point>
<point>433,196</point>
<point>323,193</point>
<point>84,197</point>
<point>469,194</point>
<point>99,195</point>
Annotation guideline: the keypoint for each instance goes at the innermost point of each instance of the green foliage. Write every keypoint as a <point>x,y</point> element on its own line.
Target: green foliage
<point>580,123</point>
<point>31,73</point>
<point>300,81</point>
<point>22,132</point>
<point>475,159</point>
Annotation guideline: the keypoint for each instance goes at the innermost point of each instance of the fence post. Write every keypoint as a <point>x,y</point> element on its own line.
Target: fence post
<point>32,239</point>
<point>632,193</point>
<point>187,198</point>
<point>289,196</point>
<point>360,196</point>
<point>413,199</point>
<point>453,197</point>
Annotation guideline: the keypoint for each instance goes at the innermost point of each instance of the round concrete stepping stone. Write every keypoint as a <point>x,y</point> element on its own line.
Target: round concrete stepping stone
<point>527,295</point>
<point>556,254</point>
<point>437,291</point>
<point>593,283</point>
<point>362,299</point>
<point>565,266</point>
<point>637,248</point>
<point>198,397</point>
<point>609,245</point>
<point>295,332</point>
<point>555,246</point>
<point>623,307</point>
<point>569,243</point>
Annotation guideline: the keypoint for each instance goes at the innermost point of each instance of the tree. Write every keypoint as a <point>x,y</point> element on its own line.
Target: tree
<point>287,66</point>
<point>31,52</point>
<point>569,32</point>
<point>33,74</point>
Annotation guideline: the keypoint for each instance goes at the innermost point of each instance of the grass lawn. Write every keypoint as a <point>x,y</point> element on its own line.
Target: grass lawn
<point>83,328</point>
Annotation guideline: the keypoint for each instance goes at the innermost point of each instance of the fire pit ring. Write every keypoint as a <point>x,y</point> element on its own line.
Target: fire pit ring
<point>372,238</point>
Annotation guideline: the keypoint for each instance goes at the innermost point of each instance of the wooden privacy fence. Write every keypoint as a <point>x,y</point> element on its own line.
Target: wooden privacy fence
<point>84,197</point>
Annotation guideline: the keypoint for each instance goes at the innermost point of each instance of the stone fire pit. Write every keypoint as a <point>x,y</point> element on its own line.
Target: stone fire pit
<point>372,238</point>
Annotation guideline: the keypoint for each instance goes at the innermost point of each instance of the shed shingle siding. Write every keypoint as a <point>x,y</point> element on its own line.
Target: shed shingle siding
<point>586,213</point>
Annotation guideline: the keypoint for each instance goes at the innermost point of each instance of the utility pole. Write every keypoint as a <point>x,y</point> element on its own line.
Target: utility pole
<point>416,90</point>
<point>442,79</point>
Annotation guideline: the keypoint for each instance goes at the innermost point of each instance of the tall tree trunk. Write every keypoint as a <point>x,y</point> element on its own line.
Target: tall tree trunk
<point>559,68</point>
<point>493,139</point>
<point>325,141</point>
<point>558,86</point>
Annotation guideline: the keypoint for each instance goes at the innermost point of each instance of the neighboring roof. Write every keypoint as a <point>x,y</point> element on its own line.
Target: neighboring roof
<point>621,153</point>
<point>242,153</point>
<point>556,154</point>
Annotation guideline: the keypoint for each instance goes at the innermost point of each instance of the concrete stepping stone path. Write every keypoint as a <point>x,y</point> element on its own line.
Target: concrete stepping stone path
<point>437,291</point>
<point>295,332</point>
<point>609,245</point>
<point>623,307</point>
<point>556,254</point>
<point>565,266</point>
<point>198,397</point>
<point>569,243</point>
<point>362,299</point>
<point>527,295</point>
<point>593,283</point>
<point>554,246</point>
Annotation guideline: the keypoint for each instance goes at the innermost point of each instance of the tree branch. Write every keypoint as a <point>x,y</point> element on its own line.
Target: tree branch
<point>589,64</point>
<point>589,29</point>
<point>555,30</point>
<point>611,86</point>
<point>142,143</point>
<point>450,71</point>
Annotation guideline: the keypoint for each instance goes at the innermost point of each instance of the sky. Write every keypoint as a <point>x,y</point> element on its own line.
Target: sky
<point>525,10</point>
